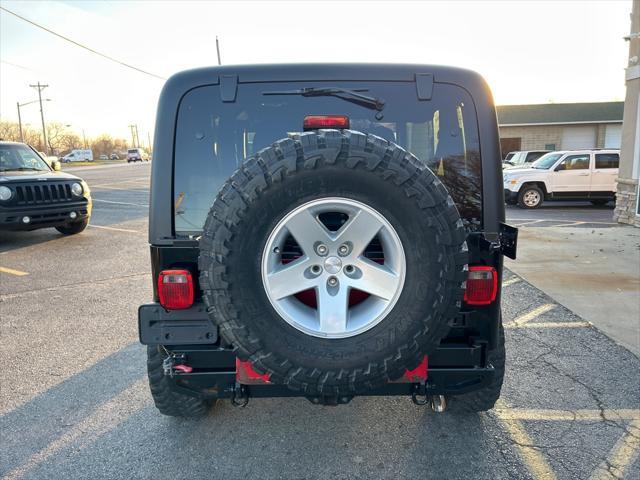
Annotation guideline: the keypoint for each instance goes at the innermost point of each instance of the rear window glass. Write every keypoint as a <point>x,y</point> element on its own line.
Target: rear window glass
<point>607,160</point>
<point>132,151</point>
<point>214,137</point>
<point>533,156</point>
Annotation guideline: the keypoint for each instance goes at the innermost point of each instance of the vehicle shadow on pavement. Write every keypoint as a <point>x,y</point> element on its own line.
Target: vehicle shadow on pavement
<point>34,425</point>
<point>59,434</point>
<point>291,438</point>
<point>12,240</point>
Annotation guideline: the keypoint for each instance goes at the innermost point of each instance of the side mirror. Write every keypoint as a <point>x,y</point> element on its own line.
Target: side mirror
<point>560,167</point>
<point>55,164</point>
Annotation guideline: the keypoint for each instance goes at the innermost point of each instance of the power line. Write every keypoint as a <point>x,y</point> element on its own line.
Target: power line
<point>81,45</point>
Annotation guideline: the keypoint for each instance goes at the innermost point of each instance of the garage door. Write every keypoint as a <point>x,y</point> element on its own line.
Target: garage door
<point>613,136</point>
<point>578,138</point>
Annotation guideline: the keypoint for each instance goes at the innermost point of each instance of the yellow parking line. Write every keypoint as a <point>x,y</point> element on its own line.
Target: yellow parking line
<point>548,325</point>
<point>572,224</point>
<point>11,271</point>
<point>511,281</point>
<point>102,420</point>
<point>623,454</point>
<point>536,312</point>
<point>567,415</point>
<point>530,454</point>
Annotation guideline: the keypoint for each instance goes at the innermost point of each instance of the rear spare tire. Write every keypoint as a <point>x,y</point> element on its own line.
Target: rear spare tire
<point>333,261</point>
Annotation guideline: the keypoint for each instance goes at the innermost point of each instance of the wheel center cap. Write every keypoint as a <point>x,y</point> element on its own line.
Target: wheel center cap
<point>333,265</point>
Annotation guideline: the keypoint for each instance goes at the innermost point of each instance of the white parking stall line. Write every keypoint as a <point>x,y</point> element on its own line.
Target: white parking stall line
<point>529,223</point>
<point>114,229</point>
<point>121,203</point>
<point>561,220</point>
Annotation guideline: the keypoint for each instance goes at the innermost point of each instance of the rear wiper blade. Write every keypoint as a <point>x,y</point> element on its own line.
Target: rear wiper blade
<point>21,169</point>
<point>345,94</point>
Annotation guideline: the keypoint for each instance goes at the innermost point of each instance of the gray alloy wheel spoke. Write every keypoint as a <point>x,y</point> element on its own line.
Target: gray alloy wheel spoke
<point>290,279</point>
<point>332,264</point>
<point>333,308</point>
<point>359,230</point>
<point>376,279</point>
<point>305,227</point>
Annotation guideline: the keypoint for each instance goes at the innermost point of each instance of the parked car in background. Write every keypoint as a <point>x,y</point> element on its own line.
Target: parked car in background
<point>52,160</point>
<point>114,156</point>
<point>137,155</point>
<point>564,175</point>
<point>34,195</point>
<point>78,155</point>
<point>104,157</point>
<point>522,159</point>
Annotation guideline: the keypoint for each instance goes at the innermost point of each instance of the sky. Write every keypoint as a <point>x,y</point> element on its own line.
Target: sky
<point>529,51</point>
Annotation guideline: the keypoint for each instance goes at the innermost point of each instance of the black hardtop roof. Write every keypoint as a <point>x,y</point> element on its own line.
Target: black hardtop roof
<point>320,72</point>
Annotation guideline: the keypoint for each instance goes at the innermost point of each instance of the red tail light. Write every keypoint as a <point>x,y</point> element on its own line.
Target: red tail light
<point>175,289</point>
<point>312,122</point>
<point>482,285</point>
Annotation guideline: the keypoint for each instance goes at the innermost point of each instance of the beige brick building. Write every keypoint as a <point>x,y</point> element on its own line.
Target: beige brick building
<point>560,126</point>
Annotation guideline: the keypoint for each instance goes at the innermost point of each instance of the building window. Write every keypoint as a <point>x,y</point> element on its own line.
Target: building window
<point>549,146</point>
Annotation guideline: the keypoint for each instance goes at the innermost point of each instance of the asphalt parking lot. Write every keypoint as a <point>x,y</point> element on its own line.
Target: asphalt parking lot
<point>74,402</point>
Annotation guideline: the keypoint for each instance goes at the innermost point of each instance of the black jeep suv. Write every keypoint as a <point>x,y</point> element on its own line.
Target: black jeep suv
<point>34,195</point>
<point>326,231</point>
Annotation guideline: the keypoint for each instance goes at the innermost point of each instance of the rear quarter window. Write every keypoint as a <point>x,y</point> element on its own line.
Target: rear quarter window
<point>607,160</point>
<point>214,137</point>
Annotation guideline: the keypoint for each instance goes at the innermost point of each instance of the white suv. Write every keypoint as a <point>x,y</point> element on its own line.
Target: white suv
<point>566,175</point>
<point>522,159</point>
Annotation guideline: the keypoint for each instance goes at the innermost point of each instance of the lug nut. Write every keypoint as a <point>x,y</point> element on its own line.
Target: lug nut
<point>343,250</point>
<point>315,269</point>
<point>333,281</point>
<point>322,249</point>
<point>349,269</point>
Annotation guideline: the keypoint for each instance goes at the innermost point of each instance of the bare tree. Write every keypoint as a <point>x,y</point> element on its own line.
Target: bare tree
<point>55,132</point>
<point>9,131</point>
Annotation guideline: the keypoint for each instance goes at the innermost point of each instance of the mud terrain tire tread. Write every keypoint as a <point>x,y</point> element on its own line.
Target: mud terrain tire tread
<point>168,401</point>
<point>73,228</point>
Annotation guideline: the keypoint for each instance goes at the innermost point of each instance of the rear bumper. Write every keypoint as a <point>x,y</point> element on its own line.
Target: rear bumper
<point>454,368</point>
<point>43,215</point>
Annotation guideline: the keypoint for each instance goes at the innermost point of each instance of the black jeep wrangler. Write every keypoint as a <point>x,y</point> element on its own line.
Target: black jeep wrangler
<point>34,195</point>
<point>326,231</point>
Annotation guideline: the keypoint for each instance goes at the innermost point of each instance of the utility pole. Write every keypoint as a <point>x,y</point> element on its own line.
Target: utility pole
<point>20,123</point>
<point>44,130</point>
<point>218,50</point>
<point>84,140</point>
<point>137,137</point>
<point>133,136</point>
<point>149,140</point>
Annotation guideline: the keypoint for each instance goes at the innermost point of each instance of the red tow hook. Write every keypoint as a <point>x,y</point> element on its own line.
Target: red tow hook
<point>183,368</point>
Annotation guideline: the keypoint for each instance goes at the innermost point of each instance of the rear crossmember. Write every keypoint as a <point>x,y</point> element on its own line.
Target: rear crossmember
<point>192,371</point>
